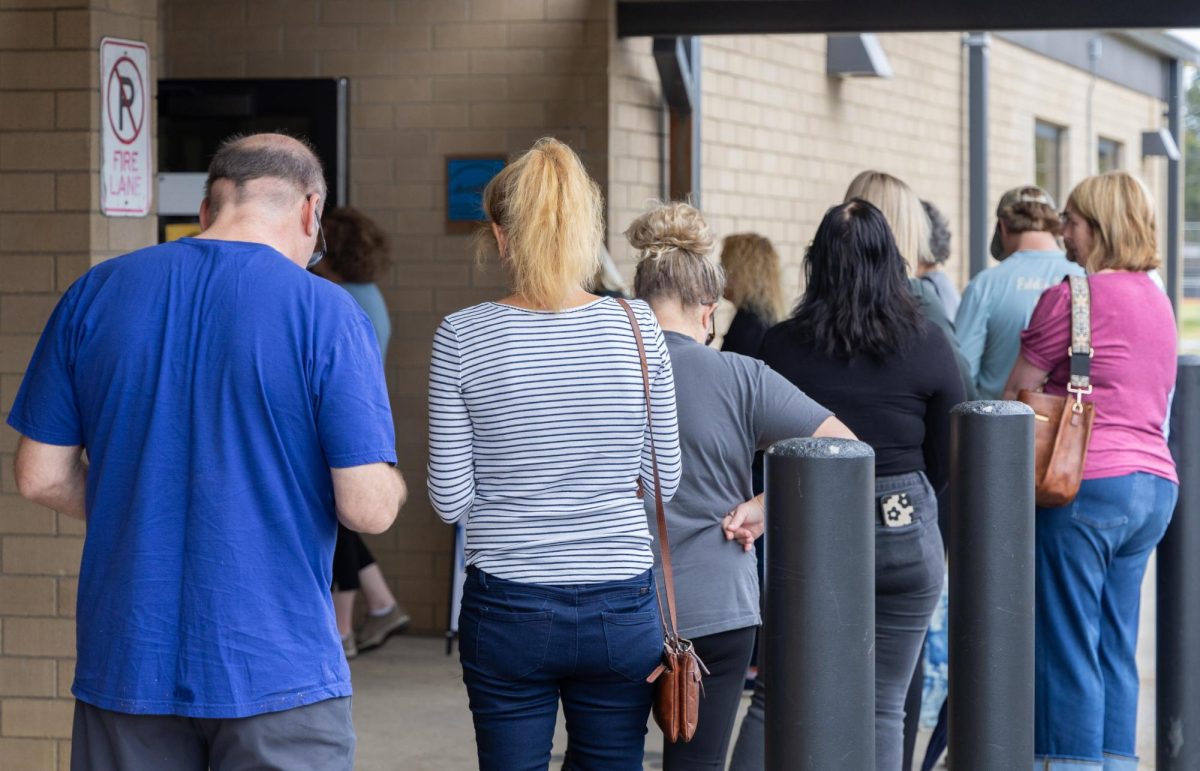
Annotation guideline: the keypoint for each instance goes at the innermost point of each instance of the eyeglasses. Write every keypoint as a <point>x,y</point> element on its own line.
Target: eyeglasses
<point>320,248</point>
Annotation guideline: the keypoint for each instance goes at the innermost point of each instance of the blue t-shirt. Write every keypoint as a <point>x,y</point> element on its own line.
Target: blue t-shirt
<point>213,385</point>
<point>370,299</point>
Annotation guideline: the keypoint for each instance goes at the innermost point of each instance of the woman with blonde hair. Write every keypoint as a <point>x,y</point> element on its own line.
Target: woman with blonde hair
<point>910,228</point>
<point>729,407</point>
<point>754,284</point>
<point>538,436</point>
<point>1092,553</point>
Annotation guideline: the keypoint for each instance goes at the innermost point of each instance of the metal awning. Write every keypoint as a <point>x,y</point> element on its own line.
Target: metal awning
<point>740,17</point>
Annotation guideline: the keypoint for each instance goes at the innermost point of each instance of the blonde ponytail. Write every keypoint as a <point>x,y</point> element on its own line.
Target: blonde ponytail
<point>551,213</point>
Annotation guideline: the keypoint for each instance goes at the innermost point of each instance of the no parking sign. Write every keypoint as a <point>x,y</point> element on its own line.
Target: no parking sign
<point>125,149</point>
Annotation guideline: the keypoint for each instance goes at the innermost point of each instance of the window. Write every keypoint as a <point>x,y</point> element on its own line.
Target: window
<point>1048,144</point>
<point>1108,154</point>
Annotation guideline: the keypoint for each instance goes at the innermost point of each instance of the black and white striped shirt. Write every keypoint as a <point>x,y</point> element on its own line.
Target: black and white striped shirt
<point>537,432</point>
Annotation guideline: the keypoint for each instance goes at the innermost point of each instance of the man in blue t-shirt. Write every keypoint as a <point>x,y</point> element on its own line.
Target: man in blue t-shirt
<point>232,409</point>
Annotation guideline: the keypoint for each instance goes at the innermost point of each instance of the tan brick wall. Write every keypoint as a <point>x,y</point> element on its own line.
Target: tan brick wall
<point>428,78</point>
<point>781,140</point>
<point>51,231</point>
<point>637,122</point>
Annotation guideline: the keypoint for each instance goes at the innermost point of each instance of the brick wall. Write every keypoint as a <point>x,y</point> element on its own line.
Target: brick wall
<point>782,140</point>
<point>51,231</point>
<point>428,78</point>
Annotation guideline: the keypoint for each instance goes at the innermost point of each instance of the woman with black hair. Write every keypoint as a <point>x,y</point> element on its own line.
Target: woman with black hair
<point>859,344</point>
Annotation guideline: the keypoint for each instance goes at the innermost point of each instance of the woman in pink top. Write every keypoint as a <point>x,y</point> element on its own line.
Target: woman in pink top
<point>1091,553</point>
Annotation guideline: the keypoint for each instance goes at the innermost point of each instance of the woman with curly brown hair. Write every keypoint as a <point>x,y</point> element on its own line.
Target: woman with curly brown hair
<point>356,252</point>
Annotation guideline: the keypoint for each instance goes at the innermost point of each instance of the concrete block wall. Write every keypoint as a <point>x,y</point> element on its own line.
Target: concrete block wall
<point>428,78</point>
<point>637,122</point>
<point>1026,87</point>
<point>51,231</point>
<point>781,140</point>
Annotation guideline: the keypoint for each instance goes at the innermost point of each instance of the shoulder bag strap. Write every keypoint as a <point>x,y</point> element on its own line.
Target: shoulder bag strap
<point>1080,383</point>
<point>660,512</point>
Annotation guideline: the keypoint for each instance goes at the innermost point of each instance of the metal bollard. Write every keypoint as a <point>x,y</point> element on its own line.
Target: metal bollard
<point>820,624</point>
<point>991,585</point>
<point>1178,606</point>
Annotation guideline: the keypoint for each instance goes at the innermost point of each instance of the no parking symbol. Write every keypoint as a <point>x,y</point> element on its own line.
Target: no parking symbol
<point>125,148</point>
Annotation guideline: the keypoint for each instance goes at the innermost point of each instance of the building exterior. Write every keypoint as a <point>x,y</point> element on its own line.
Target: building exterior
<point>780,140</point>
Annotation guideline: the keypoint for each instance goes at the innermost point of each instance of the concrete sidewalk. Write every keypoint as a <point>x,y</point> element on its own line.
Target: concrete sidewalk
<point>410,706</point>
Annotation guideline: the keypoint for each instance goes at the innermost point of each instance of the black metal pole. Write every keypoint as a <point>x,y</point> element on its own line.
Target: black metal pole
<point>820,622</point>
<point>991,585</point>
<point>1178,611</point>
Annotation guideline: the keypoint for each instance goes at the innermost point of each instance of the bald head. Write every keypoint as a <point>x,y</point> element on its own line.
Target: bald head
<point>268,169</point>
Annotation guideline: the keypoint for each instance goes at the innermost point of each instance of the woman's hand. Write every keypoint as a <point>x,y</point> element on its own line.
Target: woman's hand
<point>746,522</point>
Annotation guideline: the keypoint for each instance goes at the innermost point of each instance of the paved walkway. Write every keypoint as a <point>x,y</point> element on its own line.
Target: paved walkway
<point>410,707</point>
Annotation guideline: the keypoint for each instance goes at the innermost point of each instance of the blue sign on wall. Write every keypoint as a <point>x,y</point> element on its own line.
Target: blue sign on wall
<point>465,180</point>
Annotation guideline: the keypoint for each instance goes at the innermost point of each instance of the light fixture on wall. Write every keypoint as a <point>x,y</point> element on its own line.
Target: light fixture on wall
<point>1160,142</point>
<point>856,56</point>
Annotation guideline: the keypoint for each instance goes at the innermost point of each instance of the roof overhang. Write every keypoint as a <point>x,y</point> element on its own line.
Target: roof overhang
<point>740,17</point>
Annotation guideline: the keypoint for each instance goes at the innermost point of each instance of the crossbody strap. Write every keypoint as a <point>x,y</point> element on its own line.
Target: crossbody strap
<point>1080,383</point>
<point>665,545</point>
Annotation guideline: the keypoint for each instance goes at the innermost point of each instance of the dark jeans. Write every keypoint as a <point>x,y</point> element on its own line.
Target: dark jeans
<point>909,565</point>
<point>316,737</point>
<point>350,555</point>
<point>726,654</point>
<point>525,646</point>
<point>1091,556</point>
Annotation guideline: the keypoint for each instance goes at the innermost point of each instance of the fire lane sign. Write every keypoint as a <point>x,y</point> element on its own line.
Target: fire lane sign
<point>125,149</point>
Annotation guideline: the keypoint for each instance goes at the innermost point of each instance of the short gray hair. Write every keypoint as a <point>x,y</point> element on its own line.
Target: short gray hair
<point>242,158</point>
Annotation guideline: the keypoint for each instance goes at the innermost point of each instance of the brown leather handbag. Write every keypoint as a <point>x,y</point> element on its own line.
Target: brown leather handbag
<point>1062,424</point>
<point>677,678</point>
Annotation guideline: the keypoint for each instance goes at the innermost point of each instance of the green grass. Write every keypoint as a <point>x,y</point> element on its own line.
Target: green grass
<point>1189,324</point>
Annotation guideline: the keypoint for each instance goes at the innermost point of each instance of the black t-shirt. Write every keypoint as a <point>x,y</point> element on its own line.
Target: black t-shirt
<point>745,333</point>
<point>900,405</point>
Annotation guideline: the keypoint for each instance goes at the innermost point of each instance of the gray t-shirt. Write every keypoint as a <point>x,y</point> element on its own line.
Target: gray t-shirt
<point>729,406</point>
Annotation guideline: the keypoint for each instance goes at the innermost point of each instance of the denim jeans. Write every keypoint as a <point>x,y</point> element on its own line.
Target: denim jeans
<point>525,646</point>
<point>909,568</point>
<point>1091,556</point>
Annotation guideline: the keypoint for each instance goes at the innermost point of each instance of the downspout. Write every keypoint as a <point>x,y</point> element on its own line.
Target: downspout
<point>978,46</point>
<point>1174,231</point>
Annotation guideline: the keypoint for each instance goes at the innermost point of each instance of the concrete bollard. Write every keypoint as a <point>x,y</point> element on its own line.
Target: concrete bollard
<point>991,623</point>
<point>1178,605</point>
<point>820,597</point>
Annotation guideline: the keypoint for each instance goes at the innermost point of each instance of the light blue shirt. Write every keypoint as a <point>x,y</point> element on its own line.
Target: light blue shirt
<point>996,306</point>
<point>370,299</point>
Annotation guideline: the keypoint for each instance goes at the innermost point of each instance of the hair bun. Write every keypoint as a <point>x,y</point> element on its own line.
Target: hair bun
<point>671,226</point>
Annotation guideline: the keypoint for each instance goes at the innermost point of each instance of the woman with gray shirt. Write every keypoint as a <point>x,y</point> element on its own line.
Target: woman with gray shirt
<point>729,406</point>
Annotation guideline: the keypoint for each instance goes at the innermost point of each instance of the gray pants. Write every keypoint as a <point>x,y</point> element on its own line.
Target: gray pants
<point>909,565</point>
<point>316,737</point>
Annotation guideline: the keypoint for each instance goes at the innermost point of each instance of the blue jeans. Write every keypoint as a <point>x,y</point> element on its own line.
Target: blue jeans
<point>525,646</point>
<point>1091,556</point>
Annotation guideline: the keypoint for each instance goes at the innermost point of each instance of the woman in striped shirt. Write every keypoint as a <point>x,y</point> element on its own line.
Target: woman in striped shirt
<point>538,436</point>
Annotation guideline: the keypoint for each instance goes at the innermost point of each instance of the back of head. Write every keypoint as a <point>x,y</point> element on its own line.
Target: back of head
<point>673,243</point>
<point>356,248</point>
<point>939,234</point>
<point>902,208</point>
<point>753,274</point>
<point>857,299</point>
<point>286,169</point>
<point>1025,209</point>
<point>1120,211</point>
<point>551,214</point>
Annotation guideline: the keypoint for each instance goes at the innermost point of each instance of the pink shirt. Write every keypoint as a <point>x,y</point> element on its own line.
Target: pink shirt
<point>1133,369</point>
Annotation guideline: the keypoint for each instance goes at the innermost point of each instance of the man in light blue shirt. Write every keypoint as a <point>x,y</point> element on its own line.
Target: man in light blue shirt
<point>998,302</point>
